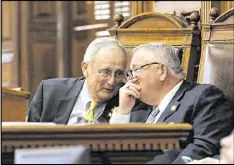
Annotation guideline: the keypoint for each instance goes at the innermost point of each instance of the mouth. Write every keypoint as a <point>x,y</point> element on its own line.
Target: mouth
<point>109,89</point>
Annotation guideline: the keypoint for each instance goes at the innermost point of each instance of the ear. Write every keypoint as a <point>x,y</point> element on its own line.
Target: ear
<point>164,72</point>
<point>84,67</point>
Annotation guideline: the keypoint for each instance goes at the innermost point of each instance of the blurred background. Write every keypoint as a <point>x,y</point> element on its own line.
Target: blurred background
<point>47,39</point>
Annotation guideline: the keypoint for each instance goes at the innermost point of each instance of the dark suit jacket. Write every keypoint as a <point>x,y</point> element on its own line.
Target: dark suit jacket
<point>204,107</point>
<point>55,99</point>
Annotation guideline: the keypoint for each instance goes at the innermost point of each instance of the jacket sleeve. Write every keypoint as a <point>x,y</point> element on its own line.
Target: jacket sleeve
<point>212,119</point>
<point>36,105</point>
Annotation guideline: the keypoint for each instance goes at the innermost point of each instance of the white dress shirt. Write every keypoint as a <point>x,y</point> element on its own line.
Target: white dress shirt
<point>118,118</point>
<point>81,106</point>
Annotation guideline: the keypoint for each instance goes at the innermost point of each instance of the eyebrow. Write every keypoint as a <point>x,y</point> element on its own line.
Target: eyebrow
<point>110,69</point>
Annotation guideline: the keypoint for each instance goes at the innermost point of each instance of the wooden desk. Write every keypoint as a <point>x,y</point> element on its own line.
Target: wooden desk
<point>131,143</point>
<point>14,104</point>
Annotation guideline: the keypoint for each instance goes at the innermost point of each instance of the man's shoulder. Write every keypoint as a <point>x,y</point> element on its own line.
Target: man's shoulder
<point>197,87</point>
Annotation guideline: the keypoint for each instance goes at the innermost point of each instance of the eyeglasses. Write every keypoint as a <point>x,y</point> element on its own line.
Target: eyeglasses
<point>119,74</point>
<point>129,73</point>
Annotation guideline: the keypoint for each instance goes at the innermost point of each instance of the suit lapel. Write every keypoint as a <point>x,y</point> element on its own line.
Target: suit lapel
<point>114,102</point>
<point>140,112</point>
<point>66,105</point>
<point>169,110</point>
<point>174,104</point>
<point>140,115</point>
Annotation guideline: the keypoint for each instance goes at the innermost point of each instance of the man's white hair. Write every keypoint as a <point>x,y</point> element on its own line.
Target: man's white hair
<point>165,54</point>
<point>99,43</point>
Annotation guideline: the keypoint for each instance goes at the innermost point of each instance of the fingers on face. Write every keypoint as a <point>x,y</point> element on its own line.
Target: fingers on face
<point>132,93</point>
<point>131,78</point>
<point>132,89</point>
<point>132,81</point>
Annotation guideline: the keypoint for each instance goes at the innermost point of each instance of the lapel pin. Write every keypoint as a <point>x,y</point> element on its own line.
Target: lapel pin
<point>173,108</point>
<point>110,114</point>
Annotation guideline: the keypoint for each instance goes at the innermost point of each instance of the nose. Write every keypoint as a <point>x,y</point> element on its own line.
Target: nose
<point>134,75</point>
<point>111,80</point>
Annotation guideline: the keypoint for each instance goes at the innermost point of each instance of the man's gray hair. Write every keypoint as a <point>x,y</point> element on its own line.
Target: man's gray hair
<point>165,54</point>
<point>99,43</point>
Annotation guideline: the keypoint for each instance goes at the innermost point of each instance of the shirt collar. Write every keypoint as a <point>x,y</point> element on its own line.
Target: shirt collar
<point>167,98</point>
<point>85,94</point>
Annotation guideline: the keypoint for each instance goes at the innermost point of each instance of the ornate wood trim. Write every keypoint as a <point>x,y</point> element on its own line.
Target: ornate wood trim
<point>100,137</point>
<point>224,16</point>
<point>147,15</point>
<point>182,37</point>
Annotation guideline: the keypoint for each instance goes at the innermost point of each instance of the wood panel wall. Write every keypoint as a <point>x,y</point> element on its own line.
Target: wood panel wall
<point>45,45</point>
<point>38,43</point>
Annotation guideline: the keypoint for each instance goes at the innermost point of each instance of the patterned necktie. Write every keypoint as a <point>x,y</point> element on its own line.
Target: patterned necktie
<point>152,115</point>
<point>90,114</point>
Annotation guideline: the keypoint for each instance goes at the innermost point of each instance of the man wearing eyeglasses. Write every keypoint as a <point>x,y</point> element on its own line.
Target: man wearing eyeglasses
<point>87,99</point>
<point>156,78</point>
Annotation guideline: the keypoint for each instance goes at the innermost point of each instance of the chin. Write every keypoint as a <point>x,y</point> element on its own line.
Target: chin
<point>105,97</point>
<point>148,101</point>
<point>144,100</point>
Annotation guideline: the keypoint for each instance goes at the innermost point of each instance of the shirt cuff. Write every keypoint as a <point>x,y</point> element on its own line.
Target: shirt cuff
<point>118,118</point>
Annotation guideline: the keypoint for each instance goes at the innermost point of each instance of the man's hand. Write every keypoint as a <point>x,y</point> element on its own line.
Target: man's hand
<point>207,160</point>
<point>127,96</point>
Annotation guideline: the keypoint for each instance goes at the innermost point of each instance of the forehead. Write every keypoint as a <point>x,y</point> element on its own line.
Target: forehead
<point>109,56</point>
<point>142,56</point>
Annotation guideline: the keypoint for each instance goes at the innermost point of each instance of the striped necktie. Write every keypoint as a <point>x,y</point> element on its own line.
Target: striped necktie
<point>90,116</point>
<point>152,115</point>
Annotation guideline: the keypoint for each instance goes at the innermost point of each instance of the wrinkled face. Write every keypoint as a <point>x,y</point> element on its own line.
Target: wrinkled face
<point>149,77</point>
<point>105,73</point>
<point>227,150</point>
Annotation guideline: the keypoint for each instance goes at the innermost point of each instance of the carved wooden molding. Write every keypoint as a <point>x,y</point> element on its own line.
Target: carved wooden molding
<point>149,15</point>
<point>192,17</point>
<point>225,16</point>
<point>101,137</point>
<point>224,24</point>
<point>141,36</point>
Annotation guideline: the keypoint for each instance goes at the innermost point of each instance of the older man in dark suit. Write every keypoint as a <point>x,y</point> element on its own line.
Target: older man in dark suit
<point>157,79</point>
<point>88,99</point>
